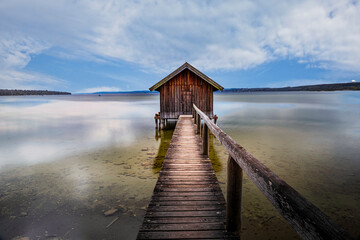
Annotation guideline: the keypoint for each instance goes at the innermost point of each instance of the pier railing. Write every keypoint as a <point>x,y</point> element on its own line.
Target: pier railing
<point>307,220</point>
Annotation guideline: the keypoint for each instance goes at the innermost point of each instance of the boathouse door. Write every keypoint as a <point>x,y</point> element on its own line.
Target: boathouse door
<point>186,102</point>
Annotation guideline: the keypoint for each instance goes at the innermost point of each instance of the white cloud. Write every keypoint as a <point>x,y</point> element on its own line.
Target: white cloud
<point>161,35</point>
<point>99,89</point>
<point>14,79</point>
<point>16,52</point>
<point>322,32</point>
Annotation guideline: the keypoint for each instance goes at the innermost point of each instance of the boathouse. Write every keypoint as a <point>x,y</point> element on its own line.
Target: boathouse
<point>184,87</point>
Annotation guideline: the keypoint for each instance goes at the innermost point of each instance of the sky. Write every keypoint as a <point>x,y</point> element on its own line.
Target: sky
<point>94,45</point>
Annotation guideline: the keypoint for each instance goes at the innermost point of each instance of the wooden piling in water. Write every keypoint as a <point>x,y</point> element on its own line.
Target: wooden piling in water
<point>215,119</point>
<point>205,140</point>
<point>233,196</point>
<point>198,123</point>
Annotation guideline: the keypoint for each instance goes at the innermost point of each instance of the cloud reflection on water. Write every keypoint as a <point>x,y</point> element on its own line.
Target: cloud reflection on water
<point>51,129</point>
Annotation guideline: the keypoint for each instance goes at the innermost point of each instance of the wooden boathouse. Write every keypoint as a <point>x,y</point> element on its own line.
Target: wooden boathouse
<point>181,89</point>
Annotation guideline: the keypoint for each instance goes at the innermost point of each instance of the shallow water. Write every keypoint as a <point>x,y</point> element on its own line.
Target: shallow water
<point>64,160</point>
<point>310,139</point>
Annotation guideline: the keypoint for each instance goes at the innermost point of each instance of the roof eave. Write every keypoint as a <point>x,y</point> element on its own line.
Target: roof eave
<point>180,69</point>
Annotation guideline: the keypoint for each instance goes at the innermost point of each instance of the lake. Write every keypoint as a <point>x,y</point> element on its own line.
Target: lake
<point>65,160</point>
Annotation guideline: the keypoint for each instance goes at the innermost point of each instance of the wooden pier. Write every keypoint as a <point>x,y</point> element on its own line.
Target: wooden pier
<point>187,202</point>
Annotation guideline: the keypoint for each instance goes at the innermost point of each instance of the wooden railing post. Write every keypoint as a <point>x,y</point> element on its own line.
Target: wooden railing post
<point>198,123</point>
<point>205,140</point>
<point>234,192</point>
<point>215,119</point>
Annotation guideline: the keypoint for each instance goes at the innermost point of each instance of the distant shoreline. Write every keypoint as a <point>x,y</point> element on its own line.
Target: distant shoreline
<point>16,92</point>
<point>353,86</point>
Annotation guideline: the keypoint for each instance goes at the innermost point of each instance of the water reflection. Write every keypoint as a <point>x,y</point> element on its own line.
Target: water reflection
<point>75,157</point>
<point>311,140</point>
<point>213,155</point>
<point>164,135</point>
<point>71,160</point>
<point>49,129</point>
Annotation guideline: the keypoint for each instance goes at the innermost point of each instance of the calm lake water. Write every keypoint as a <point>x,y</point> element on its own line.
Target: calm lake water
<point>65,160</point>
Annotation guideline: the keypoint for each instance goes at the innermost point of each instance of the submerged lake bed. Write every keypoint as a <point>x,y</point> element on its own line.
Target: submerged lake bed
<point>66,160</point>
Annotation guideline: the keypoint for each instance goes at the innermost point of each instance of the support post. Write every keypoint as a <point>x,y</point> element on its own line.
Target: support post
<point>162,124</point>
<point>198,123</point>
<point>205,140</point>
<point>215,119</point>
<point>157,134</point>
<point>234,192</point>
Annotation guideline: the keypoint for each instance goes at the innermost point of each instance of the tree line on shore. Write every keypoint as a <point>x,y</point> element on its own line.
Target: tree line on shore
<point>17,92</point>
<point>355,86</point>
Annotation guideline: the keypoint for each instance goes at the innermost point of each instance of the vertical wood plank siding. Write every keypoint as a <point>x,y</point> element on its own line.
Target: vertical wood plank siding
<point>185,89</point>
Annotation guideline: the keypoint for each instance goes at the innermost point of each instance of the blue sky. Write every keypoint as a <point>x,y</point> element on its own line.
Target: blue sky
<point>95,45</point>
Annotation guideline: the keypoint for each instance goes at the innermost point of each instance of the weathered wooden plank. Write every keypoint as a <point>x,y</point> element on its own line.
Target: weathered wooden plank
<point>185,198</point>
<point>217,213</point>
<point>187,161</point>
<point>205,167</point>
<point>183,162</point>
<point>186,178</point>
<point>185,168</point>
<point>184,189</point>
<point>181,235</point>
<point>186,181</point>
<point>187,203</point>
<point>185,173</point>
<point>192,172</point>
<point>187,188</point>
<point>212,207</point>
<point>185,156</point>
<point>189,178</point>
<point>182,186</point>
<point>214,186</point>
<point>181,194</point>
<point>183,227</point>
<point>181,220</point>
<point>189,164</point>
<point>175,164</point>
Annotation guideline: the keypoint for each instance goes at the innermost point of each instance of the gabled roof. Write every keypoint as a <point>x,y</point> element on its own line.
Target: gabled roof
<point>191,68</point>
